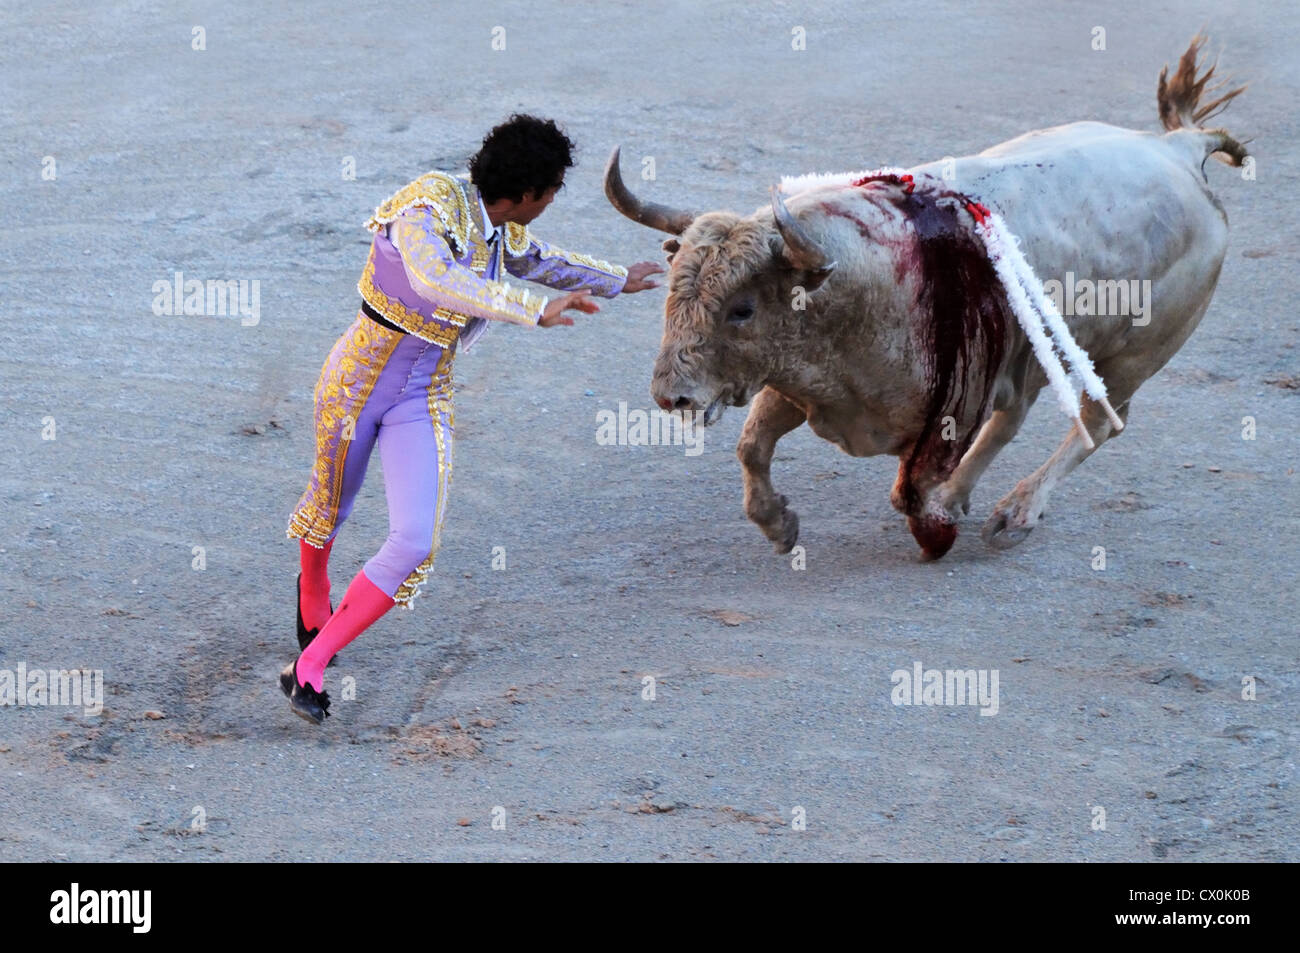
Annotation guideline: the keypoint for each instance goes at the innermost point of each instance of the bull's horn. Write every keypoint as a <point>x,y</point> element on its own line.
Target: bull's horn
<point>800,249</point>
<point>671,220</point>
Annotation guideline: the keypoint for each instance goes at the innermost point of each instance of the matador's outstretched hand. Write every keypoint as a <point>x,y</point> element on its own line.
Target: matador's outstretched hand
<point>574,301</point>
<point>637,274</point>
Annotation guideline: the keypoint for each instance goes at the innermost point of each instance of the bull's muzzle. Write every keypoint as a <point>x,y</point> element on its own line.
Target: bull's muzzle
<point>681,403</point>
<point>683,398</point>
<point>672,395</point>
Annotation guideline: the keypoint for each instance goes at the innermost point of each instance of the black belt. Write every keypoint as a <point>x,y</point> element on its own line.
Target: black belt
<point>375,316</point>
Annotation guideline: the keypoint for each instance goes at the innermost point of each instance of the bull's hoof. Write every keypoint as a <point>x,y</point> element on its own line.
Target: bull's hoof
<point>999,533</point>
<point>789,533</point>
<point>779,524</point>
<point>953,502</point>
<point>934,536</point>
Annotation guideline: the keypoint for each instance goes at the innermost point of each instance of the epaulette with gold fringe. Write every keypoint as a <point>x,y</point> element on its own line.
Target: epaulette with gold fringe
<point>440,191</point>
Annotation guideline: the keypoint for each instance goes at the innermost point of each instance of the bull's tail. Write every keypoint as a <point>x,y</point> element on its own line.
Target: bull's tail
<point>1181,107</point>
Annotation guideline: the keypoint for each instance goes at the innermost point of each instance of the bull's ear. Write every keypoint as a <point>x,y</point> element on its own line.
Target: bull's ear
<point>671,246</point>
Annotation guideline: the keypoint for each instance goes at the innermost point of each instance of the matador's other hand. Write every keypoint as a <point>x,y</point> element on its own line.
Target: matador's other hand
<point>637,274</point>
<point>574,301</point>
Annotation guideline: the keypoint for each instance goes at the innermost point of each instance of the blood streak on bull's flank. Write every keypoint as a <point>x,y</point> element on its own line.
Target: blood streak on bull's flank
<point>959,295</point>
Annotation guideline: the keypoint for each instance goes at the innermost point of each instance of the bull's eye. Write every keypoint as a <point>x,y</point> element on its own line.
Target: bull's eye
<point>741,313</point>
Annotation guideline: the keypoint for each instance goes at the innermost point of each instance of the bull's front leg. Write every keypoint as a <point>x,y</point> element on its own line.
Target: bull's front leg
<point>916,496</point>
<point>933,498</point>
<point>770,418</point>
<point>954,493</point>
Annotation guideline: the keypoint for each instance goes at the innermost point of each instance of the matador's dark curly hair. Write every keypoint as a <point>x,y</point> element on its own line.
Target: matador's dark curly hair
<point>523,154</point>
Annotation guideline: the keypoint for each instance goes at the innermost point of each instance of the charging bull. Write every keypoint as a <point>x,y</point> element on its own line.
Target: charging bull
<point>866,306</point>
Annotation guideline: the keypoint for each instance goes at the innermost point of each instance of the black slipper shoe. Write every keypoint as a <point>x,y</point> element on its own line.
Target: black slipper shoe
<point>305,635</point>
<point>306,702</point>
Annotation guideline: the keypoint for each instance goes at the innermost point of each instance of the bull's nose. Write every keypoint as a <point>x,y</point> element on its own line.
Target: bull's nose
<point>664,403</point>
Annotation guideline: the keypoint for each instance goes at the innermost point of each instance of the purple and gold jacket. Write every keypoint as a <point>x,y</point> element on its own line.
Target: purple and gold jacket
<point>433,268</point>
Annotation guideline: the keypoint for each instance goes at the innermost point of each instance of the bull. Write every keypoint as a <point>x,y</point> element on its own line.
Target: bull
<point>865,306</point>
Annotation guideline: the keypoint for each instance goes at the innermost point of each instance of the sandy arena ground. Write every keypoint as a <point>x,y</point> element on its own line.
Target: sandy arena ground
<point>517,694</point>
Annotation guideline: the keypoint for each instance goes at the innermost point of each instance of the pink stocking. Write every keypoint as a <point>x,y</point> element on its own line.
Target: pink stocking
<point>362,604</point>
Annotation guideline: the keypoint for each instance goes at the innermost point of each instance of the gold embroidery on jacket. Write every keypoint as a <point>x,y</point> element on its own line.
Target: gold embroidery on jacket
<point>477,297</point>
<point>448,198</point>
<point>518,240</point>
<point>407,319</point>
<point>480,252</point>
<point>441,192</point>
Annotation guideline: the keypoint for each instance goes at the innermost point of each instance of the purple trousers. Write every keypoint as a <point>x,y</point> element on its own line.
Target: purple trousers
<point>380,386</point>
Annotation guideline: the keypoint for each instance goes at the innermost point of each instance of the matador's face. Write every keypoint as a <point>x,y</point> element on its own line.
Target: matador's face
<point>532,206</point>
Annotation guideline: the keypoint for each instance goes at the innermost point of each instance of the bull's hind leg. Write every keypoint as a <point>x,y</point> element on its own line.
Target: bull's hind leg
<point>1019,511</point>
<point>770,418</point>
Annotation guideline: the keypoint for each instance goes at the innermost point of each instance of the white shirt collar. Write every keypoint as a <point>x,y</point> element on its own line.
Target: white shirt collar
<point>487,221</point>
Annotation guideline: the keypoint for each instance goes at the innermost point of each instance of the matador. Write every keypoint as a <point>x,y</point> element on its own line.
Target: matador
<point>432,286</point>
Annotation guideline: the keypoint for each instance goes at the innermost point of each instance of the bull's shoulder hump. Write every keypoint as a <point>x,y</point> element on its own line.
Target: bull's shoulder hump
<point>1072,137</point>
